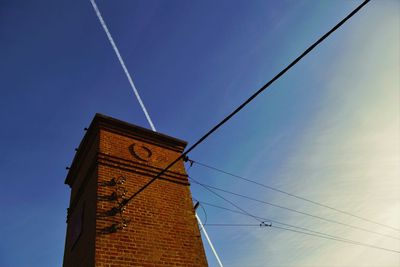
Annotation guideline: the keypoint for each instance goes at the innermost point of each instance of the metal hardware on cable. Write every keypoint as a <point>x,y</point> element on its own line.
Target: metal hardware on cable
<point>288,194</point>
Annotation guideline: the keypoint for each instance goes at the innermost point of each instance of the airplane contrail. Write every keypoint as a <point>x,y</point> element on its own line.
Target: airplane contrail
<point>209,241</point>
<point>96,9</point>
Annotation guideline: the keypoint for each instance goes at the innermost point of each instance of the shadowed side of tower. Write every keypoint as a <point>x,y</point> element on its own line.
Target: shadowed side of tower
<point>157,228</point>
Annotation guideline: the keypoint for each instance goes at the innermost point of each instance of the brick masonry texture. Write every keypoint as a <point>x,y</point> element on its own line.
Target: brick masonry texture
<point>161,229</point>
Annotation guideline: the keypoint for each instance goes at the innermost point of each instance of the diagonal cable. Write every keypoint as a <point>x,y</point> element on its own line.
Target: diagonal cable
<point>292,195</point>
<point>349,241</point>
<point>302,230</point>
<point>292,210</point>
<point>245,103</point>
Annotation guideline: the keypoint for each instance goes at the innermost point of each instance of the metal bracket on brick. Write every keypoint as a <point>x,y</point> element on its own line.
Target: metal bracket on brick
<point>114,181</point>
<point>118,196</point>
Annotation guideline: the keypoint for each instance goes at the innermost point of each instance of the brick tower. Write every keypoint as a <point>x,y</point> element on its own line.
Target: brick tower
<point>157,228</point>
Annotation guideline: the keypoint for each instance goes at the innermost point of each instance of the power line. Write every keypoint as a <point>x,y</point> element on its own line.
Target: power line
<point>290,209</point>
<point>230,202</point>
<point>339,239</point>
<point>262,220</point>
<point>204,211</point>
<point>205,231</point>
<point>265,219</point>
<point>245,103</point>
<point>291,194</point>
<point>315,235</point>
<point>121,61</point>
<point>269,220</point>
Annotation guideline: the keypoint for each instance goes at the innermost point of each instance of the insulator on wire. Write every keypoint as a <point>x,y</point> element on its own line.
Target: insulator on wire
<point>264,224</point>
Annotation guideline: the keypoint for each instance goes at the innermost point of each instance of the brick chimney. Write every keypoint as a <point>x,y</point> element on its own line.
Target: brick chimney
<point>157,228</point>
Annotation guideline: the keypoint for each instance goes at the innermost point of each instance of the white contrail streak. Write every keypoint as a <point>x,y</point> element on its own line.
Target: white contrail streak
<point>209,241</point>
<point>96,9</point>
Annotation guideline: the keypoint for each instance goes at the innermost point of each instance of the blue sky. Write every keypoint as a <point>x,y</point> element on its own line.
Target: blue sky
<point>328,130</point>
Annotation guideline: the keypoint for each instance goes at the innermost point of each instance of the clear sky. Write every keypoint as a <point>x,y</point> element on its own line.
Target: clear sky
<point>328,130</point>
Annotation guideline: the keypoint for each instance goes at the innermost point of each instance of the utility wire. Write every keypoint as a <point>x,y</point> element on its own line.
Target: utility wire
<point>340,239</point>
<point>290,194</point>
<point>258,218</point>
<point>202,229</point>
<point>261,219</point>
<point>245,103</point>
<point>225,199</point>
<point>205,213</point>
<point>315,235</point>
<point>114,46</point>
<point>264,219</point>
<point>291,210</point>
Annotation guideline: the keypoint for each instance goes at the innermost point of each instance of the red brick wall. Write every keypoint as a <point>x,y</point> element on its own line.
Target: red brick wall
<point>162,230</point>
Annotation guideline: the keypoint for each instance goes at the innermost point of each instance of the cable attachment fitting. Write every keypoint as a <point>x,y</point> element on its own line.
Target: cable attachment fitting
<point>121,192</point>
<point>115,227</point>
<point>114,181</point>
<point>186,159</point>
<point>112,197</point>
<point>114,211</point>
<point>112,229</point>
<point>118,196</point>
<point>264,224</point>
<point>120,180</point>
<point>125,223</point>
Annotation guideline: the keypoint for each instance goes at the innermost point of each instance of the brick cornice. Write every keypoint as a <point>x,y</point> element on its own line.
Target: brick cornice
<point>139,133</point>
<point>140,168</point>
<point>123,128</point>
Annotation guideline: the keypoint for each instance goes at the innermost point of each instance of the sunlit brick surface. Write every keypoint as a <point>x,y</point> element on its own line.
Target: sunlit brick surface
<point>162,229</point>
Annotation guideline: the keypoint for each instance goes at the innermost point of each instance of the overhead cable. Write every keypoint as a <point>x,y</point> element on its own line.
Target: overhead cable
<point>290,209</point>
<point>310,234</point>
<point>225,199</point>
<point>291,194</point>
<point>266,219</point>
<point>251,98</point>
